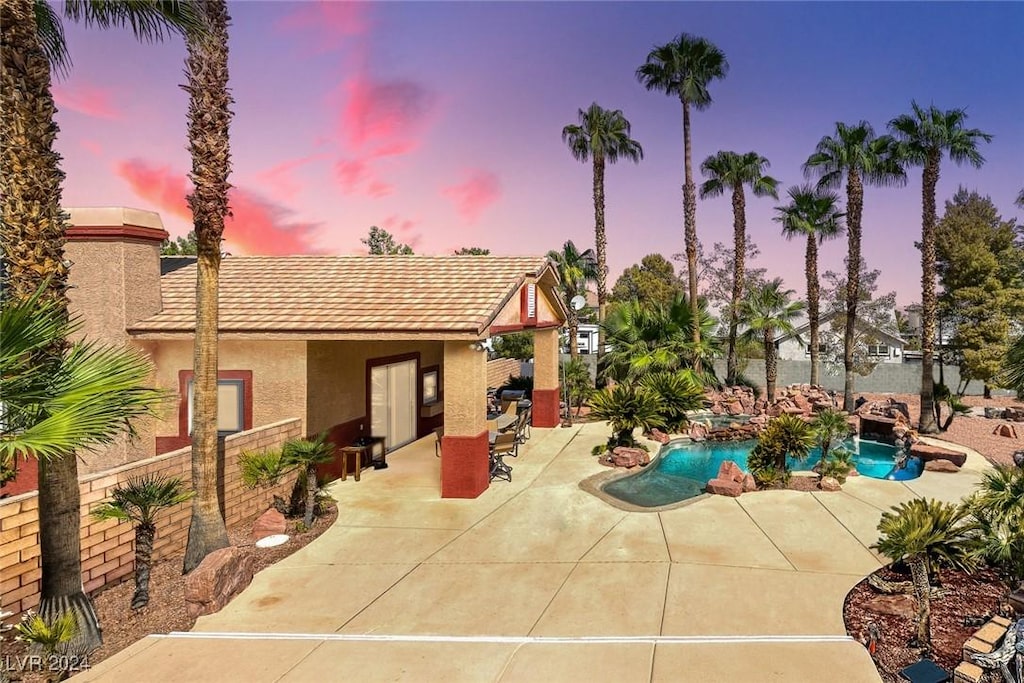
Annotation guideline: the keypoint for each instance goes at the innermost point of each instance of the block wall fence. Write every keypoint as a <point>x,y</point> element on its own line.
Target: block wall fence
<point>499,370</point>
<point>108,548</point>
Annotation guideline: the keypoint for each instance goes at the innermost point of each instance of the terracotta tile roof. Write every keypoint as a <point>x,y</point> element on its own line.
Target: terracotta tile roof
<point>348,294</point>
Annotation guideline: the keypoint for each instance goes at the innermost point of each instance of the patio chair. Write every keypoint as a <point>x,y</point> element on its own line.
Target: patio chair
<point>522,427</point>
<point>504,444</point>
<point>438,433</point>
<point>509,412</point>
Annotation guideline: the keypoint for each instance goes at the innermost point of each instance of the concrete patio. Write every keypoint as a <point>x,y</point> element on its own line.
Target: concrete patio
<point>540,580</point>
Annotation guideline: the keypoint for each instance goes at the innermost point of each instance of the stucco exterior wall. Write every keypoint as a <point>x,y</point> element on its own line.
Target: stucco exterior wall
<point>336,376</point>
<point>791,349</point>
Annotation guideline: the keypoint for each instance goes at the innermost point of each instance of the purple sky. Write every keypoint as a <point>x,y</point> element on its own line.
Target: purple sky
<point>441,122</point>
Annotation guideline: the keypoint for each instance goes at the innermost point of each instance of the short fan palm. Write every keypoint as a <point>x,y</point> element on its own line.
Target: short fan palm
<point>627,408</point>
<point>139,501</point>
<point>830,429</point>
<point>306,454</point>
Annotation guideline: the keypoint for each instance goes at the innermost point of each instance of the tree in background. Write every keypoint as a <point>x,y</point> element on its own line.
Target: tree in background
<point>32,236</point>
<point>873,309</point>
<point>182,246</point>
<point>653,280</point>
<point>576,270</point>
<point>514,345</point>
<point>470,251</point>
<point>603,135</point>
<point>209,142</point>
<point>857,154</point>
<point>715,274</point>
<point>382,242</point>
<point>766,312</point>
<point>981,269</point>
<point>814,215</point>
<point>684,68</point>
<point>924,136</point>
<point>731,171</point>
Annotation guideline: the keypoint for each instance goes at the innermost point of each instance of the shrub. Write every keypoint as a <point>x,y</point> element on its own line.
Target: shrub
<point>783,436</point>
<point>522,383</point>
<point>838,464</point>
<point>679,392</point>
<point>998,512</point>
<point>626,408</point>
<point>577,382</point>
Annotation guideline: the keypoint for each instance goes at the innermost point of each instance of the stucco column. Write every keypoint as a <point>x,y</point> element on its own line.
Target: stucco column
<point>465,468</point>
<point>546,392</point>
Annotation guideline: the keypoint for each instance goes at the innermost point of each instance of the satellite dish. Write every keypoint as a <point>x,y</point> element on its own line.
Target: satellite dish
<point>578,302</point>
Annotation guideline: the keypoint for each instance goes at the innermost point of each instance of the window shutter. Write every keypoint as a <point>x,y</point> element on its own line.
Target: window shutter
<point>531,301</point>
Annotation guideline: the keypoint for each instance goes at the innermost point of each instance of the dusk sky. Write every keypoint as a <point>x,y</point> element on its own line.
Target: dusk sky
<point>441,122</point>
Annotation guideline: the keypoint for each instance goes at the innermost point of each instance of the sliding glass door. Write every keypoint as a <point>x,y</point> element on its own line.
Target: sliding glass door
<point>393,403</point>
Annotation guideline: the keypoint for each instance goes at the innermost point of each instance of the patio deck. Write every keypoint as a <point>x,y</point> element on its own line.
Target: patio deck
<point>538,579</point>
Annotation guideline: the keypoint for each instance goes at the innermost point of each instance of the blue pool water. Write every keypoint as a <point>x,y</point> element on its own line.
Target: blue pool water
<point>685,468</point>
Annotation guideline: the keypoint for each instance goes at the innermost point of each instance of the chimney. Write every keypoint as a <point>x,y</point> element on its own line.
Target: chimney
<point>115,269</point>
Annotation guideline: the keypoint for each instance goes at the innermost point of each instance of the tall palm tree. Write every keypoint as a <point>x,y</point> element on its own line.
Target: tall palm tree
<point>604,136</point>
<point>923,533</point>
<point>32,234</point>
<point>209,116</point>
<point>814,214</point>
<point>576,269</point>
<point>732,171</point>
<point>767,311</point>
<point>684,68</point>
<point>924,136</point>
<point>857,154</point>
<point>139,500</point>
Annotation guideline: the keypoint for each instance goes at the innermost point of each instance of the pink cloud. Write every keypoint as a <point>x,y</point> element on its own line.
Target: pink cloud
<point>256,226</point>
<point>86,99</point>
<point>332,22</point>
<point>404,230</point>
<point>480,189</point>
<point>279,177</point>
<point>93,147</point>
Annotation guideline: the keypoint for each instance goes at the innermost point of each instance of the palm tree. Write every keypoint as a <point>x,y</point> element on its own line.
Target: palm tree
<point>306,454</point>
<point>732,171</point>
<point>1013,365</point>
<point>923,533</point>
<point>812,213</point>
<point>602,135</point>
<point>139,500</point>
<point>209,116</point>
<point>924,136</point>
<point>85,398</point>
<point>576,269</point>
<point>684,68</point>
<point>648,337</point>
<point>627,407</point>
<point>998,509</point>
<point>32,234</point>
<point>858,154</point>
<point>830,428</point>
<point>768,311</point>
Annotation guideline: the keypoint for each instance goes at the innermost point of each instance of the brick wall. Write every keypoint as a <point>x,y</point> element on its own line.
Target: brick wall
<point>499,370</point>
<point>108,552</point>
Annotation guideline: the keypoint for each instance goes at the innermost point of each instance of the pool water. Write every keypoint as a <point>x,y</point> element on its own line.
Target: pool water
<point>684,469</point>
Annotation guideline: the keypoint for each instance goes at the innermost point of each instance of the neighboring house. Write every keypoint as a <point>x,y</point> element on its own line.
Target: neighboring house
<point>387,346</point>
<point>882,346</point>
<point>586,338</point>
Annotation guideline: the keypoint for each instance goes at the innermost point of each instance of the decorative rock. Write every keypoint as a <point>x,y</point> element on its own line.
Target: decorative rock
<point>1018,458</point>
<point>730,471</point>
<point>659,436</point>
<point>748,483</point>
<point>725,487</point>
<point>734,408</point>
<point>852,473</point>
<point>698,432</point>
<point>270,523</point>
<point>898,605</point>
<point>829,484</point>
<point>802,403</point>
<point>217,579</point>
<point>1007,430</point>
<point>926,453</point>
<point>629,457</point>
<point>940,466</point>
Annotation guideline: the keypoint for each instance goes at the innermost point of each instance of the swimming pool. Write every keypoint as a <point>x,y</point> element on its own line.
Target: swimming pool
<point>684,468</point>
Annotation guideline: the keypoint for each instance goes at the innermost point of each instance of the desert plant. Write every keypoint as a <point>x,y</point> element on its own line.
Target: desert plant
<point>838,464</point>
<point>306,454</point>
<point>942,395</point>
<point>785,435</point>
<point>830,429</point>
<point>998,510</point>
<point>521,383</point>
<point>577,381</point>
<point>923,534</point>
<point>679,392</point>
<point>626,408</point>
<point>49,637</point>
<point>139,500</point>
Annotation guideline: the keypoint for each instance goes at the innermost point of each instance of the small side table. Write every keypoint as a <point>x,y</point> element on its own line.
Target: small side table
<point>358,451</point>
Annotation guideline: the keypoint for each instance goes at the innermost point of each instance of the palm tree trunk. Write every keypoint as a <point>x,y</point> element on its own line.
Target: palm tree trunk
<point>602,247</point>
<point>930,178</point>
<point>144,535</point>
<point>854,208</point>
<point>573,322</point>
<point>209,118</point>
<point>922,594</point>
<point>771,369</point>
<point>811,267</point>
<point>311,488</point>
<point>739,224</point>
<point>32,243</point>
<point>690,228</point>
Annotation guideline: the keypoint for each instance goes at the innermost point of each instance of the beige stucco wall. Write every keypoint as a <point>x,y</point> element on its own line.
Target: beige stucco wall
<point>336,376</point>
<point>465,390</point>
<point>547,311</point>
<point>545,358</point>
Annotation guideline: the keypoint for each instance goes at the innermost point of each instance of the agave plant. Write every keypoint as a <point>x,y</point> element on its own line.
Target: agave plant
<point>679,392</point>
<point>923,534</point>
<point>139,500</point>
<point>627,408</point>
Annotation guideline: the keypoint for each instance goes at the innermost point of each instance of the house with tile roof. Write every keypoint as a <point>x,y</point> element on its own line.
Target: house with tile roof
<point>355,346</point>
